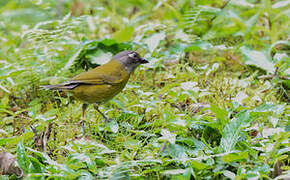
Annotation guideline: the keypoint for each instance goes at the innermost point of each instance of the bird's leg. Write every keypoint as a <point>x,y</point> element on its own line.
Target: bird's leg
<point>105,117</point>
<point>84,107</point>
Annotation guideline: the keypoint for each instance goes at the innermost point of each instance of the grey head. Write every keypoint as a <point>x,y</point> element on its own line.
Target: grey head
<point>130,60</point>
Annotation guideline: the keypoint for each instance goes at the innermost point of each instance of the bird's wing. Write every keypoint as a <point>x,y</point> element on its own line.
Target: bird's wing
<point>96,78</point>
<point>89,79</point>
<point>110,73</point>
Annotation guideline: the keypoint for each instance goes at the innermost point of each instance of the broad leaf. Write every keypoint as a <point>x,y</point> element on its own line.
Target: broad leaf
<point>257,58</point>
<point>154,40</point>
<point>232,130</point>
<point>22,158</point>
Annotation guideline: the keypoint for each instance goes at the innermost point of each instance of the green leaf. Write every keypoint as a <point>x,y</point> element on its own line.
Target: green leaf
<point>113,126</point>
<point>36,167</point>
<point>278,43</point>
<point>16,139</point>
<point>176,151</point>
<point>231,131</point>
<point>108,42</point>
<point>275,108</point>
<point>11,73</point>
<point>124,34</point>
<point>100,57</point>
<point>257,58</point>
<point>252,22</point>
<point>22,158</point>
<point>220,113</point>
<point>45,158</point>
<point>240,97</point>
<point>232,157</point>
<point>154,40</point>
<point>242,3</point>
<point>281,4</point>
<point>229,174</point>
<point>72,59</point>
<point>197,165</point>
<point>198,46</point>
<point>85,175</point>
<point>174,10</point>
<point>178,174</point>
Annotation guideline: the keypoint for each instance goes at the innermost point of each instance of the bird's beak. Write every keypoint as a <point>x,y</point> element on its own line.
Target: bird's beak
<point>143,61</point>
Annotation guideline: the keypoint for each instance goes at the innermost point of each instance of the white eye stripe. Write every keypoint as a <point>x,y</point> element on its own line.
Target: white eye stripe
<point>132,55</point>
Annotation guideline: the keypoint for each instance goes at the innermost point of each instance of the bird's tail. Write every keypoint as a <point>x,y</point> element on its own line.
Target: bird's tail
<point>61,87</point>
<point>52,87</point>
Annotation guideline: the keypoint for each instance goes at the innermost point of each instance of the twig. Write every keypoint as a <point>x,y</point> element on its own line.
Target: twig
<point>46,136</point>
<point>36,136</point>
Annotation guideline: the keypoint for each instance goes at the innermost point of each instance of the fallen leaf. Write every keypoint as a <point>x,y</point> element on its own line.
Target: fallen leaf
<point>8,165</point>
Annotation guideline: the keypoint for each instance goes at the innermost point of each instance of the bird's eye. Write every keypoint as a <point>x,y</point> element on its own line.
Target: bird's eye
<point>132,55</point>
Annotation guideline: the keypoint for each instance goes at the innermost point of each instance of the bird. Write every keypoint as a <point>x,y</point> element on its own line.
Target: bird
<point>102,83</point>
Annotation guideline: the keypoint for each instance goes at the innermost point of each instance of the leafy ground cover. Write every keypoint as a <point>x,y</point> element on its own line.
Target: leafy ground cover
<point>213,103</point>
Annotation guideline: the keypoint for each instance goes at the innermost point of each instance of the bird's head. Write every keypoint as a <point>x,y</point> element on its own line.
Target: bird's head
<point>130,59</point>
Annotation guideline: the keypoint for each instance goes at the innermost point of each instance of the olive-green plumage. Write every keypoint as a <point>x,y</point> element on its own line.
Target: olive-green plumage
<point>104,82</point>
